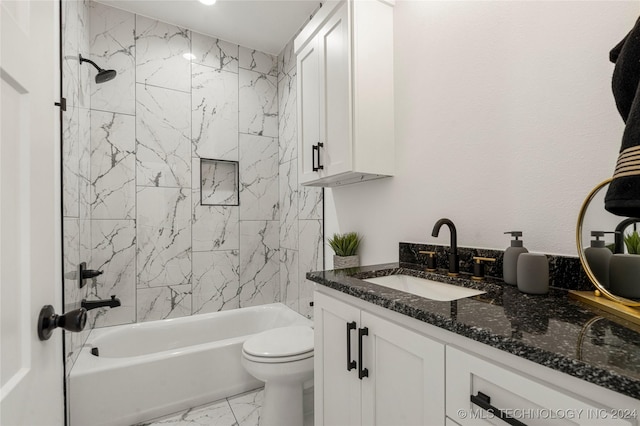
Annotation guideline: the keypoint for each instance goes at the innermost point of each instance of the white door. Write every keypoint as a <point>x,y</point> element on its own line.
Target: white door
<point>406,376</point>
<point>336,389</point>
<point>31,371</point>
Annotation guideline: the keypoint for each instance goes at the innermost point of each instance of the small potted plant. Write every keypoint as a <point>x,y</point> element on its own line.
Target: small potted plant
<point>632,241</point>
<point>624,269</point>
<point>345,247</point>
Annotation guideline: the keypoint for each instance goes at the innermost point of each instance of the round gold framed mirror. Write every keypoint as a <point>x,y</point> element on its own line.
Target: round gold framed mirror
<point>594,219</point>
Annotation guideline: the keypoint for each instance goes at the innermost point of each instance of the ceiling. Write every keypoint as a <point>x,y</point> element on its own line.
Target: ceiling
<point>264,25</point>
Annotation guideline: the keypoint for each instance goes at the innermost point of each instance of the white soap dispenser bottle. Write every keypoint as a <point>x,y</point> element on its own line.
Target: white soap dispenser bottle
<point>510,261</point>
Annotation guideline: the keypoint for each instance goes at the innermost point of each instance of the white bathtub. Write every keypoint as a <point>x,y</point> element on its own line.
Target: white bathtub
<point>156,368</point>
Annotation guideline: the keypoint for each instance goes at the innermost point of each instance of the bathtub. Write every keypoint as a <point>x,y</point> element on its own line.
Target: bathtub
<point>156,368</point>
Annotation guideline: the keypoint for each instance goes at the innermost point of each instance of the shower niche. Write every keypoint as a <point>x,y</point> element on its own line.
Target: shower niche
<point>219,182</point>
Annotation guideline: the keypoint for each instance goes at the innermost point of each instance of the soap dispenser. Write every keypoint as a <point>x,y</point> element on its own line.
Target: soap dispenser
<point>599,257</point>
<point>510,262</point>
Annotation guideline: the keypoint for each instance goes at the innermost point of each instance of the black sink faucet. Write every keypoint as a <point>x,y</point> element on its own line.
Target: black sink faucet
<point>93,304</point>
<point>619,237</point>
<point>454,268</point>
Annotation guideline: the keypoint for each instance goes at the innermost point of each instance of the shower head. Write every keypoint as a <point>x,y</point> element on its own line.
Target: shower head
<point>103,75</point>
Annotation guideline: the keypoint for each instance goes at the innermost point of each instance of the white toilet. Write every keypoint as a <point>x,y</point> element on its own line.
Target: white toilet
<point>283,359</point>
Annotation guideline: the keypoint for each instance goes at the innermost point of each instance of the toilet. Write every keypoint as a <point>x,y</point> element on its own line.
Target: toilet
<point>283,359</point>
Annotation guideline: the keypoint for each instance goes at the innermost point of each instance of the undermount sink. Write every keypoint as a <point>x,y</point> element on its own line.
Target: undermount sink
<point>423,287</point>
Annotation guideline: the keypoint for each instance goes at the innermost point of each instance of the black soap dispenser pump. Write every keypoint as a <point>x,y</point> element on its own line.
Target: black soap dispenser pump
<point>599,257</point>
<point>510,262</point>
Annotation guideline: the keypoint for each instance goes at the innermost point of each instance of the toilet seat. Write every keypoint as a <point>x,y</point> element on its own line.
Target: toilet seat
<point>277,360</point>
<point>285,344</point>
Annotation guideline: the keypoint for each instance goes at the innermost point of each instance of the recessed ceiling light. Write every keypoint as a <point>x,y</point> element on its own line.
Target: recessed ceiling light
<point>189,56</point>
<point>208,2</point>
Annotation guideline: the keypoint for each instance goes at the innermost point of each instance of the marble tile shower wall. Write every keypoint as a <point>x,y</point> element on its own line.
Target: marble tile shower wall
<point>131,173</point>
<point>164,254</point>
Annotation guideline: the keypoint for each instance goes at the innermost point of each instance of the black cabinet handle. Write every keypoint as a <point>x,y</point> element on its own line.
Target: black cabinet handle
<point>320,145</point>
<point>362,372</point>
<point>315,152</point>
<point>351,364</point>
<point>314,147</point>
<point>484,401</point>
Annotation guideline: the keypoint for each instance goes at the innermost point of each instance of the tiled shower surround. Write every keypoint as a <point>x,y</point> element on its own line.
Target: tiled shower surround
<point>132,150</point>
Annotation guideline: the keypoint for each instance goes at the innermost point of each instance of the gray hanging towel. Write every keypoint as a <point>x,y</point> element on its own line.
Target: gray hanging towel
<point>623,195</point>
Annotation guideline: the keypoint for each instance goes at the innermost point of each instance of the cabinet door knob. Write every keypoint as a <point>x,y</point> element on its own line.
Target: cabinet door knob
<point>362,372</point>
<point>351,364</point>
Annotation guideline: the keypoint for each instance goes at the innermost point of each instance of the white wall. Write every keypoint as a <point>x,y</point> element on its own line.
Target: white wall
<point>504,121</point>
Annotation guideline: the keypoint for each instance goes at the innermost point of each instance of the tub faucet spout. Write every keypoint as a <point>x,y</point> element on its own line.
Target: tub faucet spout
<point>454,268</point>
<point>114,302</point>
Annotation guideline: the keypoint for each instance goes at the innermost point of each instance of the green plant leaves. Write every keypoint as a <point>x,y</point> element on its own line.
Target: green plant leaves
<point>632,241</point>
<point>345,244</point>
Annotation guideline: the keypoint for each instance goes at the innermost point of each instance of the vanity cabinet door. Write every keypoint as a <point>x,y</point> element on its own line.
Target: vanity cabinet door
<point>389,376</point>
<point>518,396</point>
<point>405,385</point>
<point>336,389</point>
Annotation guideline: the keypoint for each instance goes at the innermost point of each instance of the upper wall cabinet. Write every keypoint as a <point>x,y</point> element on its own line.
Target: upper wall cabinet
<point>345,93</point>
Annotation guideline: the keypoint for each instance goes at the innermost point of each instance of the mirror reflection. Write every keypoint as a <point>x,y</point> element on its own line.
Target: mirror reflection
<point>611,247</point>
<point>602,332</point>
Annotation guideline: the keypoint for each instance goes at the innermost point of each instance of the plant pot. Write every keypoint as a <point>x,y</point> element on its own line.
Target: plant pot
<point>341,262</point>
<point>624,275</point>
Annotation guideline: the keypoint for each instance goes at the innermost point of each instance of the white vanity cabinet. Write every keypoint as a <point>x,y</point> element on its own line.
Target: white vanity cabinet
<point>415,370</point>
<point>500,391</point>
<point>344,58</point>
<point>371,371</point>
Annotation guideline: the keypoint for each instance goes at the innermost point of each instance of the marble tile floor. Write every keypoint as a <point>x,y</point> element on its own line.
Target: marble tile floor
<point>238,410</point>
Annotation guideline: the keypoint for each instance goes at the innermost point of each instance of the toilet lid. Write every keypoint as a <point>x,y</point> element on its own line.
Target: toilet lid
<point>280,342</point>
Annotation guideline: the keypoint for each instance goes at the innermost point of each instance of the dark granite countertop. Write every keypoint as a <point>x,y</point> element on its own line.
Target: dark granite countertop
<point>551,330</point>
